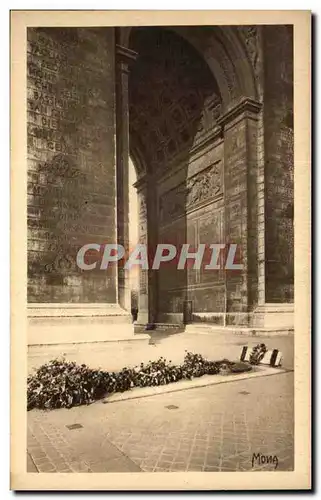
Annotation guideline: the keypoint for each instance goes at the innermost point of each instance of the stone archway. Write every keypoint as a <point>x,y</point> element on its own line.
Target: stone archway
<point>212,164</point>
<point>193,121</point>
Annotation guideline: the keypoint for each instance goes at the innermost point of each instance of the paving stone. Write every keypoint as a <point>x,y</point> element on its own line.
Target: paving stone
<point>46,468</point>
<point>164,464</point>
<point>216,429</point>
<point>41,461</point>
<point>122,464</point>
<point>209,468</point>
<point>178,466</point>
<point>37,454</point>
<point>31,467</point>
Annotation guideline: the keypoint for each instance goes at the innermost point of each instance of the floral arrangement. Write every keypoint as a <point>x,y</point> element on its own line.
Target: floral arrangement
<point>64,384</point>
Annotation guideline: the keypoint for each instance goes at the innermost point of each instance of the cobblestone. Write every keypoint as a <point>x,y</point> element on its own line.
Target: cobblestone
<point>215,428</point>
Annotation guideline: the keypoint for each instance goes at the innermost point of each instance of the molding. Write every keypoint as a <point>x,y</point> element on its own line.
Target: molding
<point>125,55</point>
<point>274,315</point>
<point>178,162</point>
<point>210,285</point>
<point>246,104</point>
<point>205,141</point>
<point>70,305</point>
<point>57,310</point>
<point>141,183</point>
<point>282,307</point>
<point>207,328</point>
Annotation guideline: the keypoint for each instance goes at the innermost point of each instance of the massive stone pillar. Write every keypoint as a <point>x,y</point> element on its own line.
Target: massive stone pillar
<point>276,182</point>
<point>240,179</point>
<point>124,57</point>
<point>77,191</point>
<point>279,164</point>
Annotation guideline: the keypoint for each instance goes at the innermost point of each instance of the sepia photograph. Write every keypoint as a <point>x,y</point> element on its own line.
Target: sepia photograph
<point>157,215</point>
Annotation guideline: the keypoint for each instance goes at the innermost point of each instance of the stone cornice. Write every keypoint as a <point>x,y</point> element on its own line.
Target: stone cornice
<point>125,55</point>
<point>141,182</point>
<point>204,141</point>
<point>246,104</point>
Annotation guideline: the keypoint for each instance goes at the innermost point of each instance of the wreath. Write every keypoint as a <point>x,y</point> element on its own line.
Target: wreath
<point>257,354</point>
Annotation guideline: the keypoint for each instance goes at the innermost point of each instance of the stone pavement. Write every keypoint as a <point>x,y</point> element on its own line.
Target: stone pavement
<point>215,428</point>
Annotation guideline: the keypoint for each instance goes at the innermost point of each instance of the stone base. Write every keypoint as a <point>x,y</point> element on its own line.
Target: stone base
<point>171,318</point>
<point>206,328</point>
<point>273,316</point>
<point>159,327</point>
<point>142,318</point>
<point>270,316</point>
<point>50,324</point>
<point>264,320</point>
<point>222,319</point>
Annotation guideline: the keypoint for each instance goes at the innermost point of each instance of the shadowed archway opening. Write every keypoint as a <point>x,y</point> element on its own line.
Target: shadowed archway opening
<point>174,104</point>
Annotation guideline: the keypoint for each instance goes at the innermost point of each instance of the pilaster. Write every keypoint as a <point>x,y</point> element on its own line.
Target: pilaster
<point>239,126</point>
<point>124,57</point>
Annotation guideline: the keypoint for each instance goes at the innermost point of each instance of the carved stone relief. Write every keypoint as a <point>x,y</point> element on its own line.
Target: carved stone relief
<point>198,189</point>
<point>249,35</point>
<point>205,185</point>
<point>251,38</point>
<point>142,206</point>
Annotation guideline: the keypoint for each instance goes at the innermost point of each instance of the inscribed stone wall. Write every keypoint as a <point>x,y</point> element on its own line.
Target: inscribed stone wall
<point>278,127</point>
<point>71,166</point>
